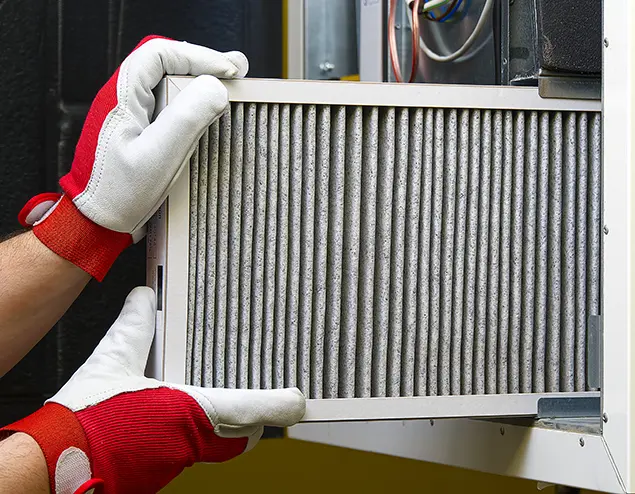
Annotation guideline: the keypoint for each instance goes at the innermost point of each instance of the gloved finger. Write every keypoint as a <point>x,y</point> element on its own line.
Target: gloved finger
<point>151,61</point>
<point>146,66</point>
<point>125,348</point>
<point>233,412</point>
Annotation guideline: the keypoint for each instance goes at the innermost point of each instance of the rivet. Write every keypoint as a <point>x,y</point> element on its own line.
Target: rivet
<point>605,417</point>
<point>606,230</point>
<point>606,42</point>
<point>502,430</point>
<point>431,422</point>
<point>582,442</point>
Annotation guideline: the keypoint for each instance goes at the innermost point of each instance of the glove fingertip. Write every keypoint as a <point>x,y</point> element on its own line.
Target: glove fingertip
<point>239,60</point>
<point>143,297</point>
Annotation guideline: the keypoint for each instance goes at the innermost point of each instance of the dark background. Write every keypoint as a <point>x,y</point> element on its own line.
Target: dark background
<point>55,55</point>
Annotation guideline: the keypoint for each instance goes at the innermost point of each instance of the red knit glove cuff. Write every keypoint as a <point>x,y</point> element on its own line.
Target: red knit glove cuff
<point>56,429</point>
<point>71,235</point>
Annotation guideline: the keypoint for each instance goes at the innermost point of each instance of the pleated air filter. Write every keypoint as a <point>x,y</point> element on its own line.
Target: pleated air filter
<point>393,251</point>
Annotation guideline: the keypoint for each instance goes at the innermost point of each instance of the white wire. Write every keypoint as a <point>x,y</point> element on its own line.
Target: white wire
<point>429,5</point>
<point>434,4</point>
<point>487,9</point>
<point>433,29</point>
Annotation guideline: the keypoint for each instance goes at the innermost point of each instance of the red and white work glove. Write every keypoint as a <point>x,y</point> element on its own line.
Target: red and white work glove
<point>124,165</point>
<point>113,430</point>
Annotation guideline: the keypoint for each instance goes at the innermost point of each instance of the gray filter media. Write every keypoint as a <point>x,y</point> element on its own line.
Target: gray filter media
<point>365,251</point>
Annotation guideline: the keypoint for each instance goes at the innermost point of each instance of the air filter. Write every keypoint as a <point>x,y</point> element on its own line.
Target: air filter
<point>393,251</point>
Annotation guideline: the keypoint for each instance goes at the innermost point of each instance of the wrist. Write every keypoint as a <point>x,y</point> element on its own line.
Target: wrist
<point>23,465</point>
<point>62,442</point>
<point>71,235</point>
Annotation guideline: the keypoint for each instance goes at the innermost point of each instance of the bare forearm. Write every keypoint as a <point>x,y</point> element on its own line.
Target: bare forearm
<point>36,288</point>
<point>22,466</point>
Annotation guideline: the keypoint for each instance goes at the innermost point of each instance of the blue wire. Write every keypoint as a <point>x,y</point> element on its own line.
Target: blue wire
<point>442,13</point>
<point>456,7</point>
<point>454,10</point>
<point>465,10</point>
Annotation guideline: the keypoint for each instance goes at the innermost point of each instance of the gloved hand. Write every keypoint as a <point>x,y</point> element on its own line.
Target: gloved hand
<point>114,430</point>
<point>124,165</point>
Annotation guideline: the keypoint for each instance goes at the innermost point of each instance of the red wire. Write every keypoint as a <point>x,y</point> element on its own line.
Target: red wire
<point>392,41</point>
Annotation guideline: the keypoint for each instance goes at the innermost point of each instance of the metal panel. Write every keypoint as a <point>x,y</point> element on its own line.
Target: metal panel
<point>532,453</point>
<point>330,42</point>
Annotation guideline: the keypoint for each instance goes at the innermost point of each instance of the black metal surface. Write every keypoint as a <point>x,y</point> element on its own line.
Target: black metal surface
<point>55,56</point>
<point>523,66</point>
<point>501,39</point>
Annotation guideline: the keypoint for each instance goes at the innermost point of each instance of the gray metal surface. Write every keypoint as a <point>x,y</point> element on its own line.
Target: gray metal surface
<point>330,38</point>
<point>550,408</point>
<point>553,85</point>
<point>394,252</point>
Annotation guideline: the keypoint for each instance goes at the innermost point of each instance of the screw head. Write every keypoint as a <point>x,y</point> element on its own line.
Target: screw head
<point>397,26</point>
<point>582,442</point>
<point>326,67</point>
<point>605,417</point>
<point>431,422</point>
<point>606,42</point>
<point>606,230</point>
<point>502,431</point>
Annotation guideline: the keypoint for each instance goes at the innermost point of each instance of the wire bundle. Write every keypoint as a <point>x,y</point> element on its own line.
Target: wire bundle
<point>455,10</point>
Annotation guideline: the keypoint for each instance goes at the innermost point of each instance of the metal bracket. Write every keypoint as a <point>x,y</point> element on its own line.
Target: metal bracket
<point>551,408</point>
<point>569,86</point>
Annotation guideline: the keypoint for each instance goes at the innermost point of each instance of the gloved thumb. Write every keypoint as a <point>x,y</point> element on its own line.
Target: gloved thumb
<point>125,348</point>
<point>235,412</point>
